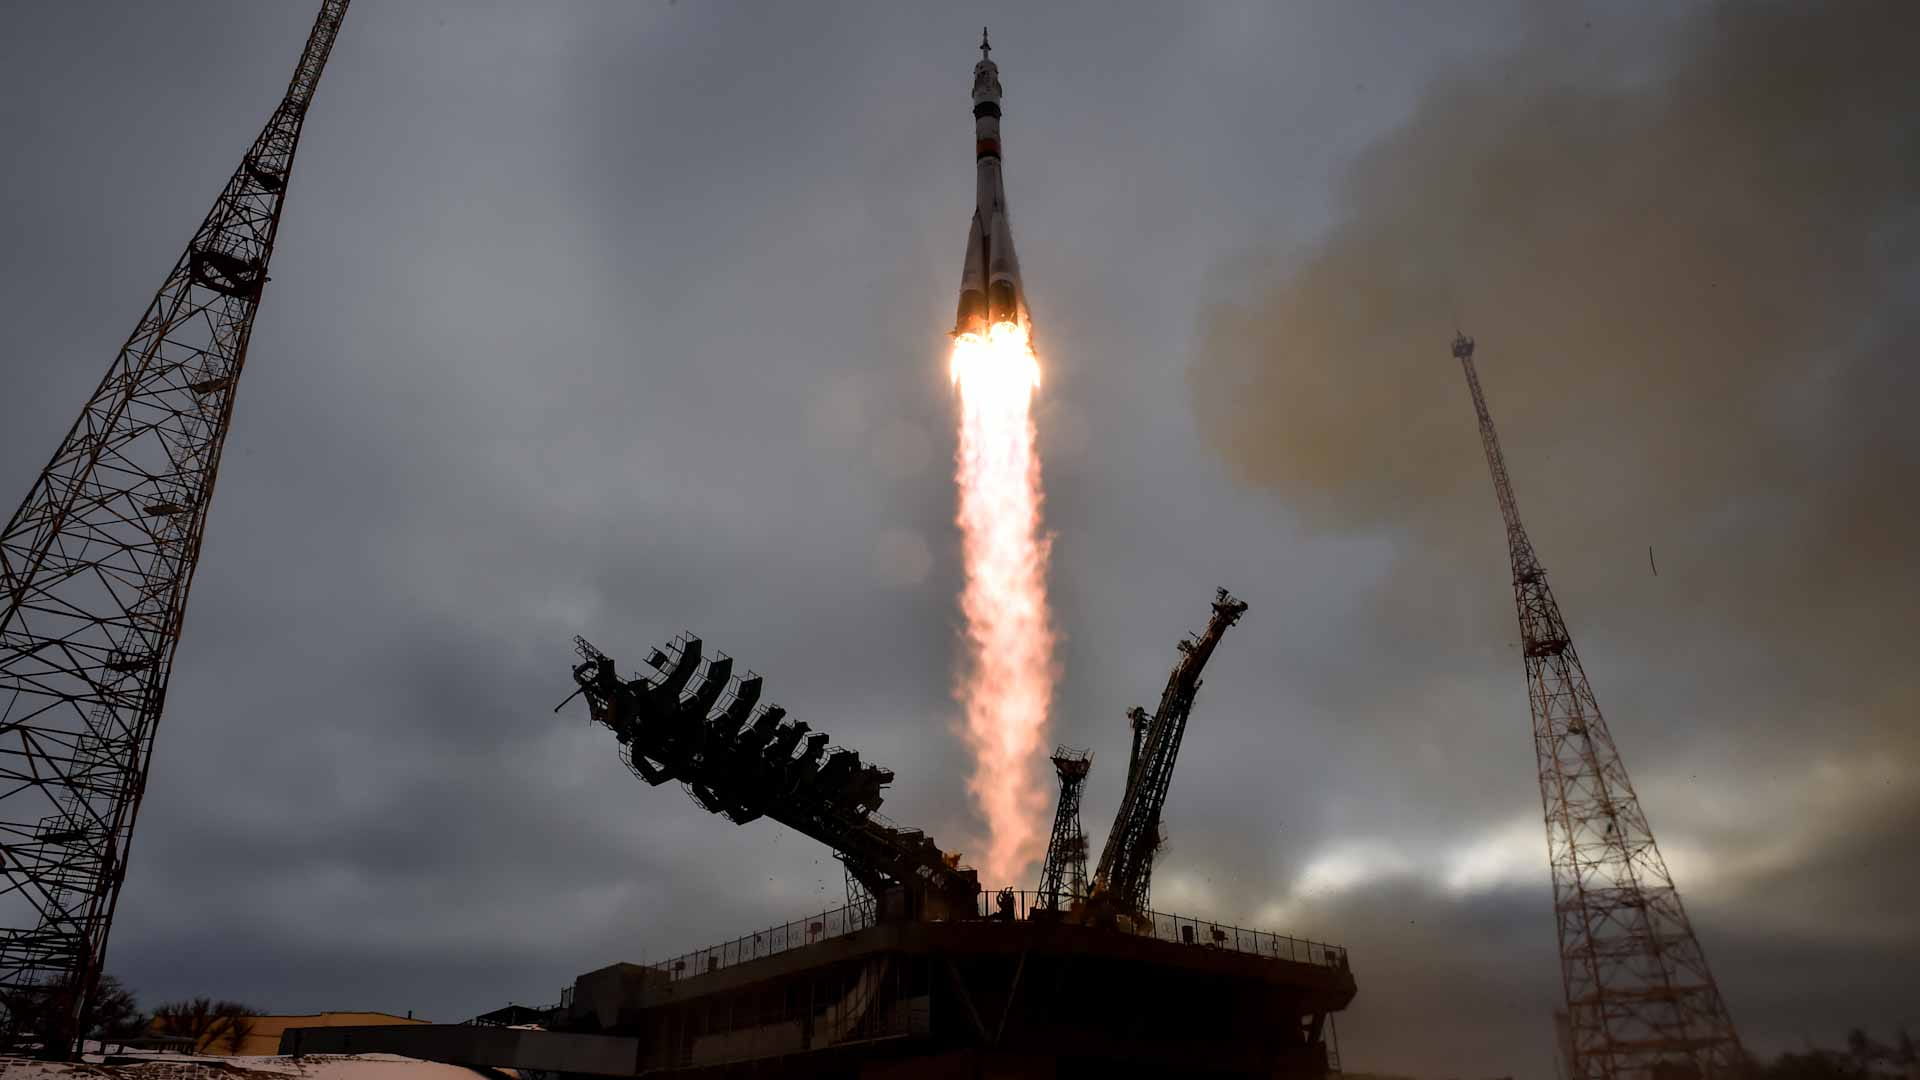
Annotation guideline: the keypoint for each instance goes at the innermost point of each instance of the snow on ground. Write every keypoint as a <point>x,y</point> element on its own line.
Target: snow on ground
<point>183,1067</point>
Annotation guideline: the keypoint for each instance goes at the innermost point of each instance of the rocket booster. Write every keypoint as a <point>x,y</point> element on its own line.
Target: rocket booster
<point>990,288</point>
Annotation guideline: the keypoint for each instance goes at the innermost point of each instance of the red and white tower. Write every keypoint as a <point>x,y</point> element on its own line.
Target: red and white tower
<point>1641,1002</point>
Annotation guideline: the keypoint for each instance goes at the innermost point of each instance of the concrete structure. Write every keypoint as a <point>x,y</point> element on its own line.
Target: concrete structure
<point>1033,995</point>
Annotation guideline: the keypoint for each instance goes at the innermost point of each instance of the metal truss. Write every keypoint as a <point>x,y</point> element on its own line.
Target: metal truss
<point>95,567</point>
<point>1064,876</point>
<point>1124,879</point>
<point>693,722</point>
<point>1641,1002</point>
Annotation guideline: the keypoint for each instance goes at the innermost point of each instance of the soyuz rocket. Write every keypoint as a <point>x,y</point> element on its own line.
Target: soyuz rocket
<point>990,288</point>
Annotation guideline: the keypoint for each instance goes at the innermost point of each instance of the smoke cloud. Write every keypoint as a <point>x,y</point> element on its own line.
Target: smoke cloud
<point>1686,272</point>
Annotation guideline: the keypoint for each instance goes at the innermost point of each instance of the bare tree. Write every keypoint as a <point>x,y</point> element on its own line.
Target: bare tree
<point>236,1023</point>
<point>184,1019</point>
<point>113,1015</point>
<point>109,1015</point>
<point>208,1022</point>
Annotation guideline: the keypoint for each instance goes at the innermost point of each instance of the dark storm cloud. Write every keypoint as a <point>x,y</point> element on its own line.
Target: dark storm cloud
<point>624,319</point>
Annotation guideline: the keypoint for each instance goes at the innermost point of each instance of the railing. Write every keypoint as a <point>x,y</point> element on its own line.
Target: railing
<point>772,941</point>
<point>1187,930</point>
<point>1161,926</point>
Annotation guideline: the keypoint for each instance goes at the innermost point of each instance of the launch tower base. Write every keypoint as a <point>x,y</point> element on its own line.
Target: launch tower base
<point>1002,997</point>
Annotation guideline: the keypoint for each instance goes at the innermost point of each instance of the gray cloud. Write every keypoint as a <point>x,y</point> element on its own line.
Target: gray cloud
<point>1685,280</point>
<point>627,319</point>
<point>1685,260</point>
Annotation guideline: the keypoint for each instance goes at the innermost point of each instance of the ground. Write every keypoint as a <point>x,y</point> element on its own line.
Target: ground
<point>186,1067</point>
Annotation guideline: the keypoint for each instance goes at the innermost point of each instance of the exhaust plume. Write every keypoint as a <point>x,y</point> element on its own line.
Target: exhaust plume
<point>1007,686</point>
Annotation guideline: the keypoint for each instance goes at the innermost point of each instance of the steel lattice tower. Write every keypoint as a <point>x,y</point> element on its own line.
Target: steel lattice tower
<point>1065,873</point>
<point>95,566</point>
<point>1641,1002</point>
<point>1124,879</point>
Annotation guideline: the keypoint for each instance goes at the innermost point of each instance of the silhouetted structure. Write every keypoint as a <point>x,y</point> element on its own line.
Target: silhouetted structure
<point>692,721</point>
<point>95,568</point>
<point>1064,875</point>
<point>1123,881</point>
<point>1641,1002</point>
<point>936,978</point>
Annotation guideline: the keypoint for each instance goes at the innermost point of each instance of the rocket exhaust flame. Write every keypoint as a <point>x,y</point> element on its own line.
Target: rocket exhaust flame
<point>1008,684</point>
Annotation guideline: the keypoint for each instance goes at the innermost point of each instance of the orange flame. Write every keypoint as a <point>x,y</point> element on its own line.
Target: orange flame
<point>1008,685</point>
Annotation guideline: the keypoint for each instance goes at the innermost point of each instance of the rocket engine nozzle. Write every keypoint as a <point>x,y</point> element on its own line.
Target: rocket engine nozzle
<point>972,316</point>
<point>1003,303</point>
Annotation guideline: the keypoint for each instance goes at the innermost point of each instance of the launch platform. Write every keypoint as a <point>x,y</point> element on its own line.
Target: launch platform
<point>921,974</point>
<point>1017,993</point>
<point>1020,993</point>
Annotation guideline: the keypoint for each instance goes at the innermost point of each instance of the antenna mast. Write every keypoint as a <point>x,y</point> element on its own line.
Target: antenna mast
<point>95,566</point>
<point>1641,1002</point>
<point>1065,874</point>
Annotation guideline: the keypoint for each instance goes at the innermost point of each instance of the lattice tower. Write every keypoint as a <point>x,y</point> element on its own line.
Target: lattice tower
<point>95,567</point>
<point>1641,1002</point>
<point>1124,880</point>
<point>1064,876</point>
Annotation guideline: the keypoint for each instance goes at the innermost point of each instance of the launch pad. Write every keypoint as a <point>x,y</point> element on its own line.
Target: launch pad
<point>921,974</point>
<point>1027,996</point>
<point>1023,997</point>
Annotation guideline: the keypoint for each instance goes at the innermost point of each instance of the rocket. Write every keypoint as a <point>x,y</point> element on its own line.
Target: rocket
<point>990,288</point>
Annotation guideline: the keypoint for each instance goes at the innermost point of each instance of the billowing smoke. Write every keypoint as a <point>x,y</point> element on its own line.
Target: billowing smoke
<point>1691,273</point>
<point>1691,269</point>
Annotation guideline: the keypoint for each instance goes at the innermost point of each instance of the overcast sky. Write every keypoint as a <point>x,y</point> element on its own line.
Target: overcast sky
<point>624,319</point>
